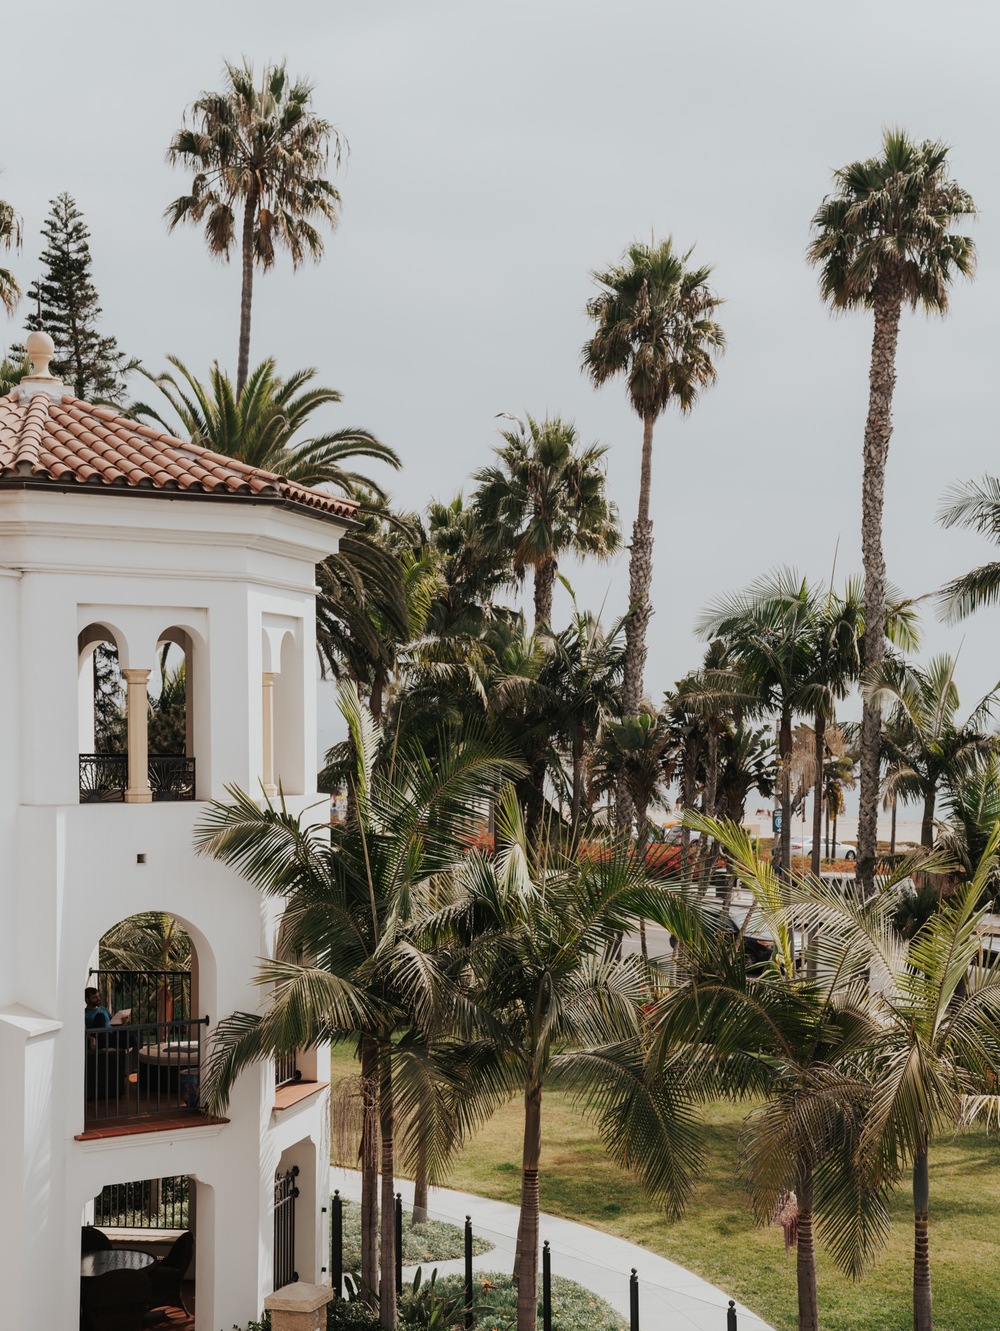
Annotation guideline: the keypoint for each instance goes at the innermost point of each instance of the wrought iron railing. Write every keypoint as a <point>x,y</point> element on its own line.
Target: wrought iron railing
<point>142,1069</point>
<point>285,1071</point>
<point>145,996</point>
<point>285,1193</point>
<point>151,1203</point>
<point>104,777</point>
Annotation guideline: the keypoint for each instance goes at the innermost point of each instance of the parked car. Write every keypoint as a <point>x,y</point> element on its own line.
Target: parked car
<point>839,850</point>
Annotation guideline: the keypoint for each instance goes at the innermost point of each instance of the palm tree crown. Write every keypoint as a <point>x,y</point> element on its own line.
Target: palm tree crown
<point>546,497</point>
<point>258,147</point>
<point>888,228</point>
<point>10,238</point>
<point>259,423</point>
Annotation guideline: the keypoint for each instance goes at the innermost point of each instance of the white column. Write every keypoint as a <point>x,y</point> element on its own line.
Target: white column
<point>136,711</point>
<point>267,703</point>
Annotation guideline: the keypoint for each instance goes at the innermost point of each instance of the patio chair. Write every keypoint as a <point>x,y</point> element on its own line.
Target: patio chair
<point>116,1301</point>
<point>165,1278</point>
<point>93,1239</point>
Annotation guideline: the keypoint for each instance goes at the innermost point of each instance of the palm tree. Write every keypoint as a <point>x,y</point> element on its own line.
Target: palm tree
<point>790,1036</point>
<point>934,1045</point>
<point>354,901</point>
<point>545,498</point>
<point>259,148</point>
<point>655,328</point>
<point>261,422</point>
<point>882,240</point>
<point>768,630</point>
<point>925,743</point>
<point>584,673</point>
<point>10,238</point>
<point>536,924</point>
<point>971,817</point>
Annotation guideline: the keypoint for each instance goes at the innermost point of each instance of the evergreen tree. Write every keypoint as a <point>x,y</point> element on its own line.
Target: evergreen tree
<point>66,307</point>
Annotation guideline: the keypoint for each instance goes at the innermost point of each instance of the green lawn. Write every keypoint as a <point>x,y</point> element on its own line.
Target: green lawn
<point>717,1238</point>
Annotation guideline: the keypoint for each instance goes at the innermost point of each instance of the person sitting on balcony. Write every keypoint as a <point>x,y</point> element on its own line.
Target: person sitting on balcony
<point>95,1016</point>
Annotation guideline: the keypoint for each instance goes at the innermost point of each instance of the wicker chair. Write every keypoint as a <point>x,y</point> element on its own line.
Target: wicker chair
<point>116,1301</point>
<point>93,1239</point>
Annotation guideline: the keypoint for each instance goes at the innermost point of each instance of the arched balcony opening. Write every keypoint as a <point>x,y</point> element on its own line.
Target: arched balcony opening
<point>283,712</point>
<point>145,1034</point>
<point>147,1229</point>
<point>170,737</point>
<point>103,722</point>
<point>138,727</point>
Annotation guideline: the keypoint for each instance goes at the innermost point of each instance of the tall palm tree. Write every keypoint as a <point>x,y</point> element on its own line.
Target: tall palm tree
<point>261,423</point>
<point>926,745</point>
<point>10,238</point>
<point>355,897</point>
<point>885,238</point>
<point>655,328</point>
<point>791,1035</point>
<point>544,498</point>
<point>259,148</point>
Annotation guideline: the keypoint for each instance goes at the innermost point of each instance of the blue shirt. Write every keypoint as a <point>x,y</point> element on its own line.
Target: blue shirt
<point>96,1018</point>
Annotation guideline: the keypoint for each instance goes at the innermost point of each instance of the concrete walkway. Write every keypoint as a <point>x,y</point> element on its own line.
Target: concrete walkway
<point>670,1298</point>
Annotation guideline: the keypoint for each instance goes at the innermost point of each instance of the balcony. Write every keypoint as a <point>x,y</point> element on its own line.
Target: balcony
<point>143,1077</point>
<point>104,777</point>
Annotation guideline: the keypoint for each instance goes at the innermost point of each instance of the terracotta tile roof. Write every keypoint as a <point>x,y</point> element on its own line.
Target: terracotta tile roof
<point>66,442</point>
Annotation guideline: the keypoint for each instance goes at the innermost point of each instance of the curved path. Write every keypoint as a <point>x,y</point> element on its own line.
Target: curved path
<point>670,1298</point>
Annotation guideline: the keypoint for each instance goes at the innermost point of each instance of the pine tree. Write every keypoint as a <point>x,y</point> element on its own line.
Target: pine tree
<point>66,307</point>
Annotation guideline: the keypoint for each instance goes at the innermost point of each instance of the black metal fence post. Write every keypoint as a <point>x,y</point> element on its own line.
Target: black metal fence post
<point>337,1243</point>
<point>546,1287</point>
<point>731,1316</point>
<point>633,1301</point>
<point>399,1243</point>
<point>468,1273</point>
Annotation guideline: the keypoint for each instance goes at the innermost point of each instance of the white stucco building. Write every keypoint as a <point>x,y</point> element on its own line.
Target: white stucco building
<point>111,532</point>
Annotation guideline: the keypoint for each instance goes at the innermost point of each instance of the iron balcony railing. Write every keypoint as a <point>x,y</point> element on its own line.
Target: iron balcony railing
<point>285,1071</point>
<point>285,1193</point>
<point>142,1069</point>
<point>144,996</point>
<point>151,1203</point>
<point>104,777</point>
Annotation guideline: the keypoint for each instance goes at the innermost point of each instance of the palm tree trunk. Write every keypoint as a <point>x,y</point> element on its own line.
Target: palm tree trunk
<point>527,1282</point>
<point>923,1317</point>
<point>785,761</point>
<point>246,294</point>
<point>828,831</point>
<point>369,1170</point>
<point>819,730</point>
<point>640,578</point>
<point>576,807</point>
<point>892,832</point>
<point>927,821</point>
<point>387,1287</point>
<point>545,581</point>
<point>420,1188</point>
<point>878,430</point>
<point>805,1253</point>
<point>709,847</point>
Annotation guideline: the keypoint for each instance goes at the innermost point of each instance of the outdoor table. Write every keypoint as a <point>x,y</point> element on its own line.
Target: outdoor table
<point>114,1259</point>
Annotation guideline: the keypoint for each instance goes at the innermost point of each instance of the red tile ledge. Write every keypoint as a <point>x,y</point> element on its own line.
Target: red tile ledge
<point>295,1092</point>
<point>169,1123</point>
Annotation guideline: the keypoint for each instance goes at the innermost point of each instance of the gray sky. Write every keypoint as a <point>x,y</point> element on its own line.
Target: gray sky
<point>498,154</point>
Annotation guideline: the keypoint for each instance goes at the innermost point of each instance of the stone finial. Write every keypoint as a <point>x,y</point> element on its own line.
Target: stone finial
<point>298,1307</point>
<point>40,349</point>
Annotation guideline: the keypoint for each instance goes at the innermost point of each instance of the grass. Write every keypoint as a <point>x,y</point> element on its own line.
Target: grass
<point>434,1241</point>
<point>717,1238</point>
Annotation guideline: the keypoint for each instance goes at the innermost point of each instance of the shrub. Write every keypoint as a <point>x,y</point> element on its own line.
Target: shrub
<point>433,1241</point>
<point>495,1303</point>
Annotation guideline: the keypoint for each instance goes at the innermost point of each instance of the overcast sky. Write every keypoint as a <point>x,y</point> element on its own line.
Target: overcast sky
<point>499,152</point>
